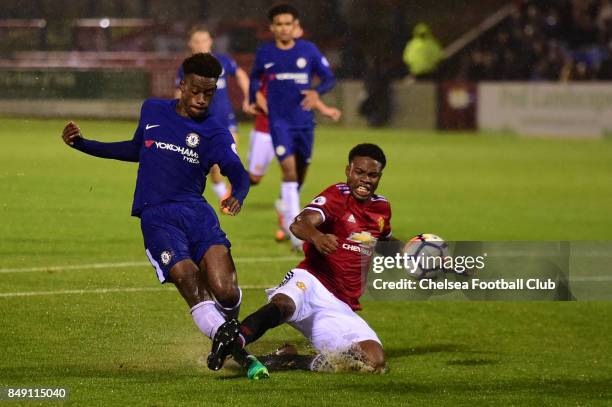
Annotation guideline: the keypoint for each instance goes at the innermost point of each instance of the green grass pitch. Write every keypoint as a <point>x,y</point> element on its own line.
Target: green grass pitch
<point>61,210</point>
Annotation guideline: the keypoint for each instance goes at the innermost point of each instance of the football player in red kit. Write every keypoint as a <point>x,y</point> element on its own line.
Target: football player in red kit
<point>319,297</point>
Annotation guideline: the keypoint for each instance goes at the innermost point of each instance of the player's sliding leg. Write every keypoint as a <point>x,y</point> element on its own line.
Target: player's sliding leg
<point>286,357</point>
<point>368,354</point>
<point>276,312</point>
<point>290,195</point>
<point>344,340</point>
<point>373,354</point>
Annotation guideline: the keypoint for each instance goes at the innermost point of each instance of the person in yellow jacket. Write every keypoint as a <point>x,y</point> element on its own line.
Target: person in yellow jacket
<point>423,52</point>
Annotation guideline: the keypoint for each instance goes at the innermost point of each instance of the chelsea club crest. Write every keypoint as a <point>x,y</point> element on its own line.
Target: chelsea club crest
<point>192,140</point>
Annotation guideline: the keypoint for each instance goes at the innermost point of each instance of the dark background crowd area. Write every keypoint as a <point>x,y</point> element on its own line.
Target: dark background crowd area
<point>544,40</point>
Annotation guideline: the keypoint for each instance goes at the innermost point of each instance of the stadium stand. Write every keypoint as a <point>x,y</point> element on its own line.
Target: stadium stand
<point>542,40</point>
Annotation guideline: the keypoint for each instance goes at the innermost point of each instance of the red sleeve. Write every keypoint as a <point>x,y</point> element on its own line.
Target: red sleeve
<point>328,203</point>
<point>386,232</point>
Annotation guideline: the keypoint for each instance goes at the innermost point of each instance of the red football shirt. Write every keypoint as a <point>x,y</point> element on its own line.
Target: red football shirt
<point>357,225</point>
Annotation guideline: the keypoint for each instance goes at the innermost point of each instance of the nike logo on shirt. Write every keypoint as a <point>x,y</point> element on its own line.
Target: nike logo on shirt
<point>268,65</point>
<point>150,126</point>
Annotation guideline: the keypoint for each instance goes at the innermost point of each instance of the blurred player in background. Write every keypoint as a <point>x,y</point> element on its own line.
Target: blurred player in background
<point>319,297</point>
<point>286,67</point>
<point>176,142</point>
<point>200,40</point>
<point>261,150</point>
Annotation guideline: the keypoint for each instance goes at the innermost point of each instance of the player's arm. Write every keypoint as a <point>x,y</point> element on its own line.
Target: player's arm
<point>327,81</point>
<point>123,150</point>
<point>328,111</point>
<point>243,83</point>
<point>304,227</point>
<point>255,77</point>
<point>224,154</point>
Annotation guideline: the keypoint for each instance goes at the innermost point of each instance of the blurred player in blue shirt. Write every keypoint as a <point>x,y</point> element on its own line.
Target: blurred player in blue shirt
<point>200,40</point>
<point>176,143</point>
<point>287,66</point>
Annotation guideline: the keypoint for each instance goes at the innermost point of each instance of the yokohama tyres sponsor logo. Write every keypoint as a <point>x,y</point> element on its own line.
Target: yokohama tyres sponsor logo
<point>188,154</point>
<point>297,77</point>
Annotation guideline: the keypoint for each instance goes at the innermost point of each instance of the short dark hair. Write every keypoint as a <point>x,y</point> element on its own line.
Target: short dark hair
<point>282,8</point>
<point>368,150</point>
<point>201,64</point>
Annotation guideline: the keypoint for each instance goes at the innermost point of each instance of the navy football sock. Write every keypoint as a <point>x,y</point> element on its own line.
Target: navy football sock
<point>256,324</point>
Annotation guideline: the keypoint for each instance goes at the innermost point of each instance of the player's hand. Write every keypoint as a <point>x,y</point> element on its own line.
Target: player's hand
<point>249,108</point>
<point>333,113</point>
<point>325,243</point>
<point>230,206</point>
<point>71,133</point>
<point>311,98</point>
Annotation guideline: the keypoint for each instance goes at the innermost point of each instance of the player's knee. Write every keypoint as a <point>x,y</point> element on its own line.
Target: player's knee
<point>183,271</point>
<point>285,304</point>
<point>227,295</point>
<point>374,354</point>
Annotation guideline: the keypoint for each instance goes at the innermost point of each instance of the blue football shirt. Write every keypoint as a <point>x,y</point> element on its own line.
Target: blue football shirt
<point>288,73</point>
<point>175,155</point>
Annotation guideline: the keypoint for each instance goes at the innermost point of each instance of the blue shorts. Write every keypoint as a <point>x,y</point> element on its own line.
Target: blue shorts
<point>177,231</point>
<point>289,140</point>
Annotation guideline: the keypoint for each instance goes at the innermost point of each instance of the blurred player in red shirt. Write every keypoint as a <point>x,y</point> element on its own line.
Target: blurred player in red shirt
<point>319,297</point>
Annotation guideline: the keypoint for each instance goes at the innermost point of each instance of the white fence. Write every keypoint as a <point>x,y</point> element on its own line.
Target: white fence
<point>547,109</point>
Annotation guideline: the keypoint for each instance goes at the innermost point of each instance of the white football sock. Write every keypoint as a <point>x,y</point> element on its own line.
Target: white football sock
<point>291,202</point>
<point>220,189</point>
<point>207,317</point>
<point>232,312</point>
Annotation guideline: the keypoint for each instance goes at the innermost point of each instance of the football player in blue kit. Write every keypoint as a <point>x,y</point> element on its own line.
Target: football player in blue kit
<point>287,66</point>
<point>176,143</point>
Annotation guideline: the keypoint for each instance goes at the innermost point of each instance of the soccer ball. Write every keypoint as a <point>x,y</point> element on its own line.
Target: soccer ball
<point>427,253</point>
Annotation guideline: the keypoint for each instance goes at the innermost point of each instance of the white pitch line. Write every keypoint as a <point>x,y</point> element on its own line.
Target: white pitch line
<point>590,278</point>
<point>159,289</point>
<point>109,290</point>
<point>132,264</point>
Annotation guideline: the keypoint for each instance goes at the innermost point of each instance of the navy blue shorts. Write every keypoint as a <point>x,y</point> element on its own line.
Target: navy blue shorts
<point>288,140</point>
<point>177,231</point>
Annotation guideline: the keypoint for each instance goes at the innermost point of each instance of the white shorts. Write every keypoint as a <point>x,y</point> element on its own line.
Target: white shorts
<point>329,324</point>
<point>261,152</point>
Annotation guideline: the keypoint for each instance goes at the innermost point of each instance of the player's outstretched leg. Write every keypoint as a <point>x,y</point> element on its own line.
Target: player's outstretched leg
<point>190,283</point>
<point>372,353</point>
<point>363,356</point>
<point>276,312</point>
<point>220,275</point>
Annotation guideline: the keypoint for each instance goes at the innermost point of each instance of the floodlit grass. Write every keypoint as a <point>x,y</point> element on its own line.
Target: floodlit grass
<point>61,208</point>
